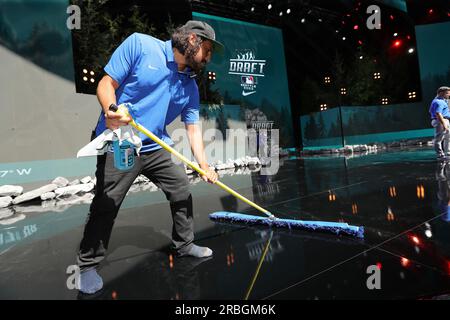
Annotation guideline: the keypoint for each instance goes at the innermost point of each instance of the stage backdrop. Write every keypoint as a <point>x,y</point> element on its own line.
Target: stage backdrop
<point>45,122</point>
<point>251,73</point>
<point>382,123</point>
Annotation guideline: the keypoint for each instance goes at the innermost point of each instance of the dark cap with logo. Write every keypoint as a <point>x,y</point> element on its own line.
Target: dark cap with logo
<point>203,30</point>
<point>443,89</point>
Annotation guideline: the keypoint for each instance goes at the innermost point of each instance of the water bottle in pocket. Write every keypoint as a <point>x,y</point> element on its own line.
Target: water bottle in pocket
<point>123,154</point>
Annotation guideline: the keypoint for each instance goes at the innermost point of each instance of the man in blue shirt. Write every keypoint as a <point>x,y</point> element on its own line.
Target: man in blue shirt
<point>440,116</point>
<point>157,79</point>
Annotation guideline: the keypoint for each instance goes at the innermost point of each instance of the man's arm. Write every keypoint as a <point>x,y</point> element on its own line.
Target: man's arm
<point>196,141</point>
<point>442,120</point>
<point>106,95</point>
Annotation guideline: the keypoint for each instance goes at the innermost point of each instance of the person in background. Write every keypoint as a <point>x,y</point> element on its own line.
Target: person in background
<point>440,115</point>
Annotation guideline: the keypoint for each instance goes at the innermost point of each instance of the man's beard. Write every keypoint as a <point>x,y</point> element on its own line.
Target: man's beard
<point>190,53</point>
<point>196,66</point>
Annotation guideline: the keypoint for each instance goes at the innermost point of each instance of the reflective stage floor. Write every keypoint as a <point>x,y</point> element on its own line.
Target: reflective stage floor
<point>401,198</point>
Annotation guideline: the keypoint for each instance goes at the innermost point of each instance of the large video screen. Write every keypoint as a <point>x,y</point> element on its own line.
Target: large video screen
<point>251,73</point>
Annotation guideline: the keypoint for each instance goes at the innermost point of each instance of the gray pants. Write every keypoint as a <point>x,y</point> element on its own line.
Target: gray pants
<point>441,139</point>
<point>112,186</point>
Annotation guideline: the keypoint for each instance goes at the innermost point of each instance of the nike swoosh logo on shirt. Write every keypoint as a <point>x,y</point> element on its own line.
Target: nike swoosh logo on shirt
<point>248,93</point>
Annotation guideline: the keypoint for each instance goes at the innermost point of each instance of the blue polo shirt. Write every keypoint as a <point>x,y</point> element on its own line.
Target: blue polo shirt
<point>148,78</point>
<point>439,105</point>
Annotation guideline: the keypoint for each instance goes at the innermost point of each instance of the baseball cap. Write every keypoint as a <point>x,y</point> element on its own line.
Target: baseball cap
<point>203,30</point>
<point>442,89</point>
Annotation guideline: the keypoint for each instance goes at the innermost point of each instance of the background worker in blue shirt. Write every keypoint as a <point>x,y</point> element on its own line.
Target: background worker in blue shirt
<point>157,79</point>
<point>440,116</point>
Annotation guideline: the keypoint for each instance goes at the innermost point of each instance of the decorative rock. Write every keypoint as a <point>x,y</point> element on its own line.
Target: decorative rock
<point>60,181</point>
<point>36,193</point>
<point>238,163</point>
<point>223,166</point>
<point>10,191</point>
<point>48,196</point>
<point>254,161</point>
<point>71,190</point>
<point>5,201</point>
<point>74,182</point>
<point>86,180</point>
<point>141,179</point>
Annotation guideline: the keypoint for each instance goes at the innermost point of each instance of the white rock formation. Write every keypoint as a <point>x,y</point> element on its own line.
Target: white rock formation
<point>71,190</point>
<point>5,201</point>
<point>36,193</point>
<point>10,191</point>
<point>60,181</point>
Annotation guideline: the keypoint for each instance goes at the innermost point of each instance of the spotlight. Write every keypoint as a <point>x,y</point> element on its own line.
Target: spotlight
<point>343,91</point>
<point>92,80</point>
<point>91,73</point>
<point>397,43</point>
<point>327,80</point>
<point>252,9</point>
<point>281,13</point>
<point>288,11</point>
<point>85,71</point>
<point>269,6</point>
<point>212,76</point>
<point>344,38</point>
<point>384,101</point>
<point>323,107</point>
<point>410,50</point>
<point>377,75</point>
<point>355,27</point>
<point>303,20</point>
<point>85,78</point>
<point>412,95</point>
<point>395,34</point>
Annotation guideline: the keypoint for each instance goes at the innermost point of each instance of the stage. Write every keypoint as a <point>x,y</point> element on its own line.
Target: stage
<point>400,197</point>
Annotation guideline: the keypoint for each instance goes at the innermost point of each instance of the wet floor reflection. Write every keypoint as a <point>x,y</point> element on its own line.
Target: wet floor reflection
<point>401,198</point>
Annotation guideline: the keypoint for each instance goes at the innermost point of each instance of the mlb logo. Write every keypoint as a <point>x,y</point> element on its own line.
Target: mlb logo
<point>248,79</point>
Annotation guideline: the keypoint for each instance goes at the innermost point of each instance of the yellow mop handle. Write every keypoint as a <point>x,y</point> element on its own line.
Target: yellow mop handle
<point>191,164</point>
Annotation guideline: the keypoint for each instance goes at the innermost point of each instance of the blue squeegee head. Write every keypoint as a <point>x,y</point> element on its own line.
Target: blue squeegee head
<point>333,227</point>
